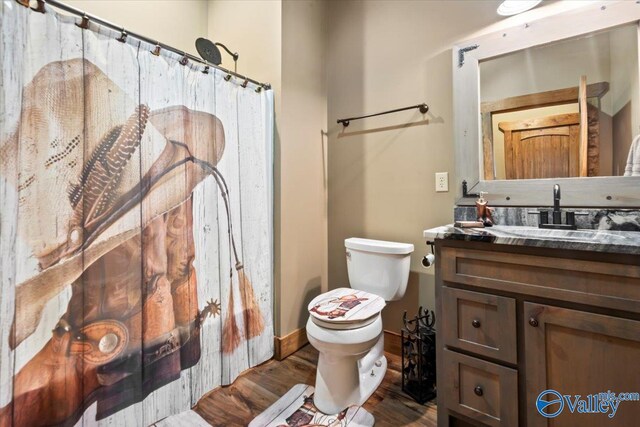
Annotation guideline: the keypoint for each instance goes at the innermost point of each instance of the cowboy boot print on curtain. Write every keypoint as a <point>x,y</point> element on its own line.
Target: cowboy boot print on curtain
<point>182,275</point>
<point>113,333</point>
<point>119,323</point>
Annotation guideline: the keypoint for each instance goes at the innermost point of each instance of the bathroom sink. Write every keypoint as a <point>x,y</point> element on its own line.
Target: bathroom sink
<point>590,236</point>
<point>614,241</point>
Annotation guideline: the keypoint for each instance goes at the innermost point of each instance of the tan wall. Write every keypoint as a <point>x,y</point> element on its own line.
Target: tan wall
<point>284,43</point>
<point>253,29</point>
<point>177,23</point>
<point>302,124</point>
<point>384,55</point>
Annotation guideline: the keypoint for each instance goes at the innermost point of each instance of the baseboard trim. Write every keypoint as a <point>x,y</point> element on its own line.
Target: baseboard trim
<point>287,345</point>
<point>392,343</point>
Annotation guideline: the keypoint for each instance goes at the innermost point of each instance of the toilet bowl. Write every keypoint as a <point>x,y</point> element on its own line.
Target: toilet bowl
<point>341,376</point>
<point>345,324</point>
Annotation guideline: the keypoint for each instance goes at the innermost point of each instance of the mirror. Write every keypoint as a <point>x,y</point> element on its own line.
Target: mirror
<point>521,37</point>
<point>569,108</point>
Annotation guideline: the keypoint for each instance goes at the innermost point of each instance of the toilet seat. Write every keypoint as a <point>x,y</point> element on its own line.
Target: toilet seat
<point>340,326</point>
<point>345,308</point>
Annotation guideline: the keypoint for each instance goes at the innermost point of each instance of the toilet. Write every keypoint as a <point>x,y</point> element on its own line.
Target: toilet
<point>345,324</point>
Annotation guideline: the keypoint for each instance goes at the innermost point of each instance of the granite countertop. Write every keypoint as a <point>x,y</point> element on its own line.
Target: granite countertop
<point>625,242</point>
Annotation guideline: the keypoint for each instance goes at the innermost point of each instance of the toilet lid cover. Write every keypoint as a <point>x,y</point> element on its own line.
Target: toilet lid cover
<point>345,305</point>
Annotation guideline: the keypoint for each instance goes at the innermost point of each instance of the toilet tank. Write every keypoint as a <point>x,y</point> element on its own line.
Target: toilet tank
<point>379,267</point>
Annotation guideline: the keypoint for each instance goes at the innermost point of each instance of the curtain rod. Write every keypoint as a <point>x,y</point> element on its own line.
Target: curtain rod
<point>424,108</point>
<point>127,33</point>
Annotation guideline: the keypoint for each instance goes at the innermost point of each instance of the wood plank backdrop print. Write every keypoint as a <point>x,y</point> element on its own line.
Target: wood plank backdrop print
<point>136,229</point>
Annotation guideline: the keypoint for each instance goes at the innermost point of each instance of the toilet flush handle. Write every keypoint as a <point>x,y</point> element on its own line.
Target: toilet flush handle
<point>348,255</point>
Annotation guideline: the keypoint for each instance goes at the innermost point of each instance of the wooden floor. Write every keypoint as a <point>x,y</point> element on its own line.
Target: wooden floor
<point>258,388</point>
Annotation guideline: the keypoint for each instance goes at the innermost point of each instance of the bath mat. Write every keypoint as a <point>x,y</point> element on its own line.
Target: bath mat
<point>183,419</point>
<point>296,408</point>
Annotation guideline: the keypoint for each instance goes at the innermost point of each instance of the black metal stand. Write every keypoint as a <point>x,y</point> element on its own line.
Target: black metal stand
<point>419,356</point>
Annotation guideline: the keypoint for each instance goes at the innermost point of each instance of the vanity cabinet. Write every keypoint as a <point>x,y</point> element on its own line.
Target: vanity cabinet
<point>579,352</point>
<point>516,321</point>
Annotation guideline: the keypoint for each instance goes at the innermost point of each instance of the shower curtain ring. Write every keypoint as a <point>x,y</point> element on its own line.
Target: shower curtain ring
<point>39,7</point>
<point>259,89</point>
<point>156,50</point>
<point>245,83</point>
<point>227,77</point>
<point>206,70</point>
<point>84,24</point>
<point>123,36</point>
<point>185,59</point>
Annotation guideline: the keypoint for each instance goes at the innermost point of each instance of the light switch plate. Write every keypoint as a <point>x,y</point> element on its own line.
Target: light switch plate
<point>442,182</point>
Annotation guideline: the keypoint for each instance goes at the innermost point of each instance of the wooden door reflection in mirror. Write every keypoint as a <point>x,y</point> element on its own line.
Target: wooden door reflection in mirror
<point>548,147</point>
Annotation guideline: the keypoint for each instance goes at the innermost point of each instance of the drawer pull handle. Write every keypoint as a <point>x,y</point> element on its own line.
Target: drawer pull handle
<point>478,391</point>
<point>475,323</point>
<point>533,322</point>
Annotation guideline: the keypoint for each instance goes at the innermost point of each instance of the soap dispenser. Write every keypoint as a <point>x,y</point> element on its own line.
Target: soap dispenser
<point>483,210</point>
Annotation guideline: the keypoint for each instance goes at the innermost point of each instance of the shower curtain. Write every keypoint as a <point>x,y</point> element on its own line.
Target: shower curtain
<point>135,227</point>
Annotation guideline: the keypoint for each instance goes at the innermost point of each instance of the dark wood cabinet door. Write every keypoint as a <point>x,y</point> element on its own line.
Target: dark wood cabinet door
<point>580,353</point>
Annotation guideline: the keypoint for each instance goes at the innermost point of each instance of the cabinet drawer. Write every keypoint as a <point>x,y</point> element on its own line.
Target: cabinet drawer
<point>594,283</point>
<point>481,390</point>
<point>480,323</point>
